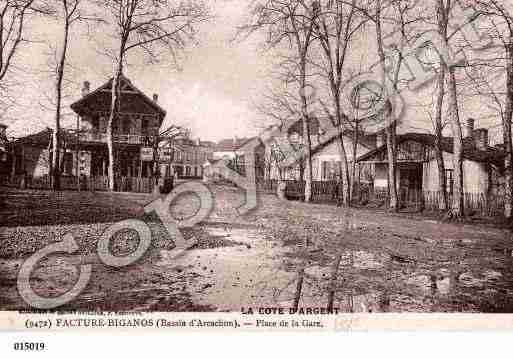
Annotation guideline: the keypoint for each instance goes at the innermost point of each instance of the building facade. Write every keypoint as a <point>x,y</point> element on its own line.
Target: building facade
<point>417,168</point>
<point>5,155</point>
<point>135,131</point>
<point>84,152</point>
<point>184,157</point>
<point>326,154</point>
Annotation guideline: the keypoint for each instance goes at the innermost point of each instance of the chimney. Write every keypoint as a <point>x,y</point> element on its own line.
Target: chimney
<point>155,97</point>
<point>468,128</point>
<point>198,142</point>
<point>86,88</point>
<point>480,137</point>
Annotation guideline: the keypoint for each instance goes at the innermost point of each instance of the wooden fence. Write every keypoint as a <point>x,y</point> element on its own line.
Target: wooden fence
<point>363,194</point>
<point>322,192</point>
<point>97,183</point>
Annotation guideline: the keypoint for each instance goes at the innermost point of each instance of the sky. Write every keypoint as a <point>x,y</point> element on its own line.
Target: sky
<point>212,91</point>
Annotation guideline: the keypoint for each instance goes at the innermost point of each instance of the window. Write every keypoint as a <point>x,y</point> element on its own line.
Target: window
<point>324,169</point>
<point>144,126</point>
<point>67,163</point>
<point>449,180</point>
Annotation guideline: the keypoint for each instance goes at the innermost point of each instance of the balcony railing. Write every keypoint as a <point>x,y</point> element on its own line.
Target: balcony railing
<point>118,138</point>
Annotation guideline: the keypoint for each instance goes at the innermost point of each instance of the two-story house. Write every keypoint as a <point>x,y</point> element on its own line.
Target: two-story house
<point>135,130</point>
<point>84,150</point>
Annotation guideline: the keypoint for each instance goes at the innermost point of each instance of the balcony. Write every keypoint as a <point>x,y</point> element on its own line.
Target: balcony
<point>101,137</point>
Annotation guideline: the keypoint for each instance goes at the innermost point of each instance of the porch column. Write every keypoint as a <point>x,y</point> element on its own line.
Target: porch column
<point>13,164</point>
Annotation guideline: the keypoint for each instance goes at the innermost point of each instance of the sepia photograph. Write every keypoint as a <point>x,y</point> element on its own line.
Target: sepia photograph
<point>255,165</point>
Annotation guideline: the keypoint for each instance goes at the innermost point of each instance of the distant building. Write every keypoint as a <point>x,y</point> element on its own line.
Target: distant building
<point>229,148</point>
<point>232,152</point>
<point>184,157</point>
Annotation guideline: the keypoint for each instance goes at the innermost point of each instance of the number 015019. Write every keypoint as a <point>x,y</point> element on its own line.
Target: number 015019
<point>29,346</point>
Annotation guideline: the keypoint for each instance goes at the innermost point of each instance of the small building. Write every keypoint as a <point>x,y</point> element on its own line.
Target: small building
<point>5,155</point>
<point>326,157</point>
<point>417,168</point>
<point>32,154</point>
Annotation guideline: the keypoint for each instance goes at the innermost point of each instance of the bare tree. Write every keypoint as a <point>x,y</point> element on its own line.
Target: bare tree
<point>13,17</point>
<point>70,13</point>
<point>438,125</point>
<point>335,27</point>
<point>147,25</point>
<point>443,11</point>
<point>291,22</point>
<point>283,108</point>
<point>500,15</point>
<point>390,129</point>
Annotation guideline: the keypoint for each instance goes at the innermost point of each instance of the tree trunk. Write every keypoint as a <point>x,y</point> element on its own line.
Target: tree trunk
<point>55,167</point>
<point>114,101</point>
<point>390,129</point>
<point>392,185</point>
<point>442,190</point>
<point>345,171</point>
<point>457,207</point>
<point>506,131</point>
<point>306,130</point>
<point>56,183</point>
<point>353,169</point>
<point>457,157</point>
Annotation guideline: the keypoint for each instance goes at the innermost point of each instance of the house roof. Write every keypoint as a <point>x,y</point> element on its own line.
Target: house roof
<point>470,151</point>
<point>208,144</point>
<point>364,140</point>
<point>43,138</point>
<point>231,144</point>
<point>101,98</point>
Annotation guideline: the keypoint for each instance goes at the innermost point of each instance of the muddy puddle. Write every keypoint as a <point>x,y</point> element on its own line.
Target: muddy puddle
<point>238,266</point>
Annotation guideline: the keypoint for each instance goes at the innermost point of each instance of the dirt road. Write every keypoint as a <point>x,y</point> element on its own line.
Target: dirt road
<point>385,262</point>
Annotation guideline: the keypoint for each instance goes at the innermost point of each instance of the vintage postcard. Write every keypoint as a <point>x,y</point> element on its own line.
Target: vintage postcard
<point>255,165</point>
